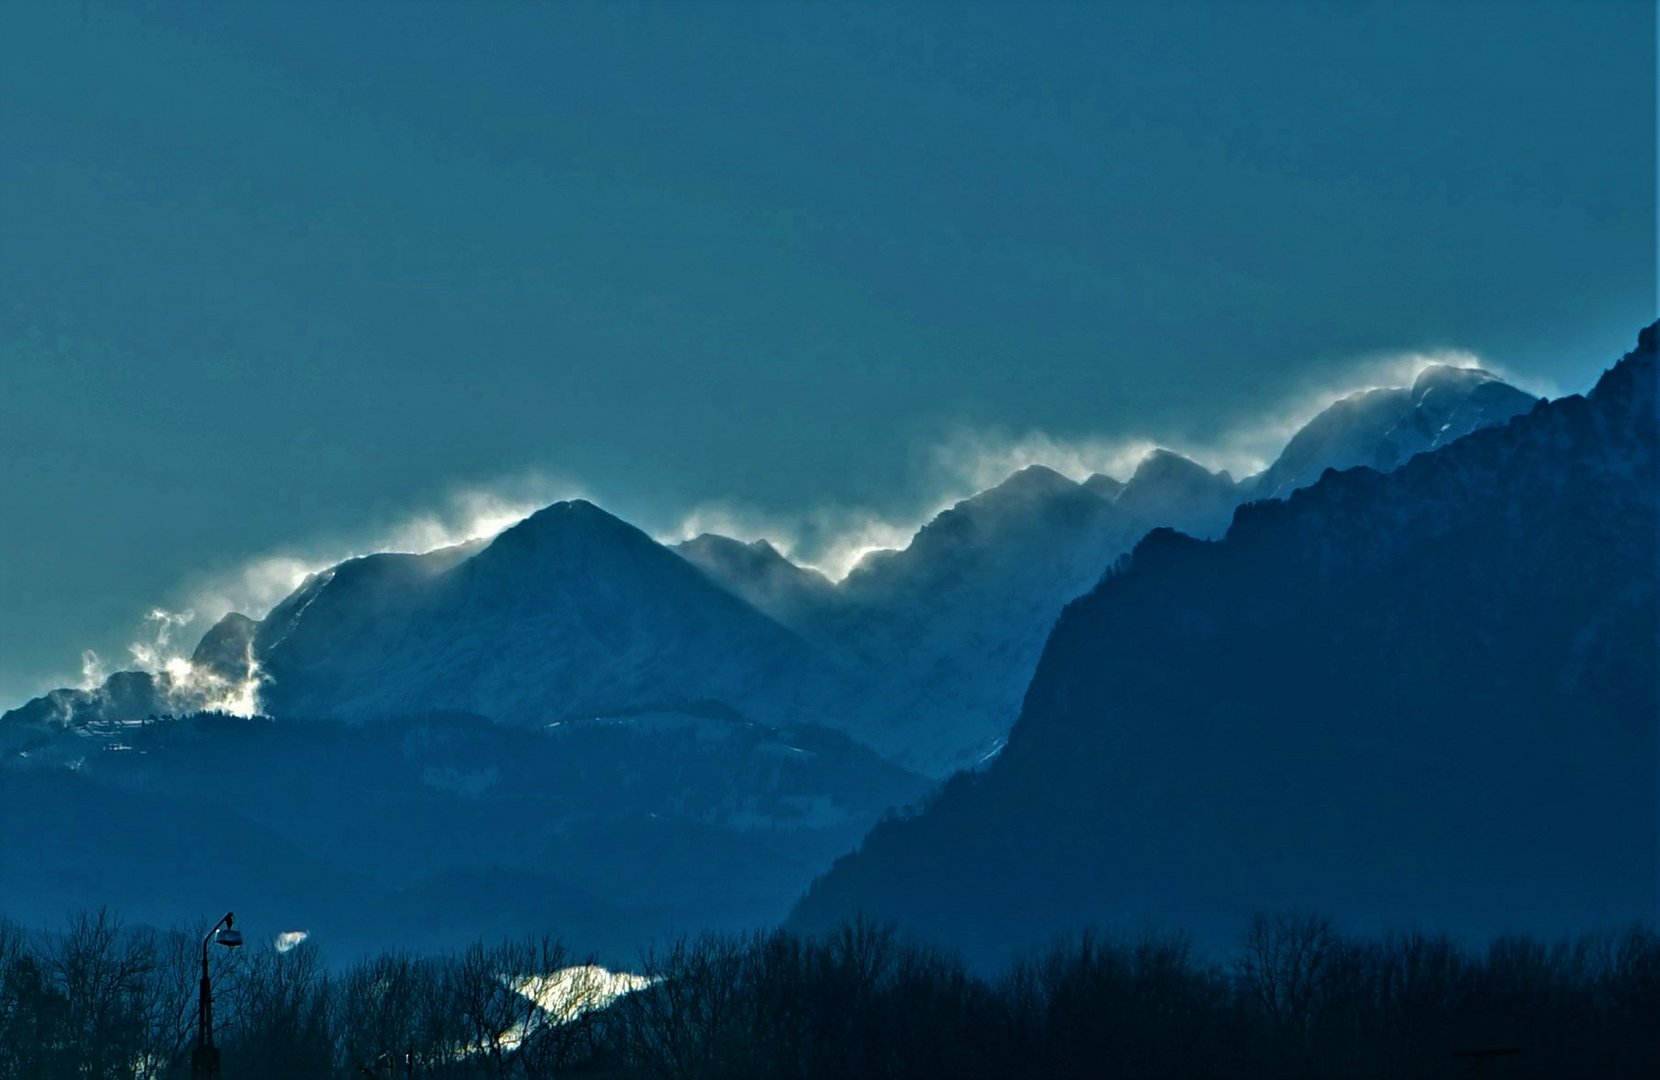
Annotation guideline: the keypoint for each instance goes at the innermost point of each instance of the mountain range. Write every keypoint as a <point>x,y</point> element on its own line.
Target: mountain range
<point>573,722</point>
<point>944,635</point>
<point>1426,696</point>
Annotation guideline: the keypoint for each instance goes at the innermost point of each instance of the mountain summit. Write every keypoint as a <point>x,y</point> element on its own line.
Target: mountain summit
<point>1383,428</point>
<point>570,611</point>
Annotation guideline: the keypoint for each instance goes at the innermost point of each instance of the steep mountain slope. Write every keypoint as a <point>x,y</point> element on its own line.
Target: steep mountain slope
<point>1426,696</point>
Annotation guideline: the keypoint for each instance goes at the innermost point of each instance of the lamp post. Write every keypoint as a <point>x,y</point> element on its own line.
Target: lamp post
<point>204,1061</point>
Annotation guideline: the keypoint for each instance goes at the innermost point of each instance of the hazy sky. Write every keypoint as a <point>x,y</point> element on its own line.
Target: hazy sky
<point>280,278</point>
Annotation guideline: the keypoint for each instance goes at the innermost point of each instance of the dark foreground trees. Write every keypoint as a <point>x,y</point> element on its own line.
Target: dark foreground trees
<point>1296,998</point>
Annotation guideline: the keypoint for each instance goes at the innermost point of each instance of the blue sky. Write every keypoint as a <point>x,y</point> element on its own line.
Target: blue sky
<point>281,278</point>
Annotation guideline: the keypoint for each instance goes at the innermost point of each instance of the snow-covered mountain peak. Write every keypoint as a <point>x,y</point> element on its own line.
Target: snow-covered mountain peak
<point>1384,427</point>
<point>567,538</point>
<point>1446,377</point>
<point>1030,498</point>
<point>572,516</point>
<point>1164,467</point>
<point>1034,481</point>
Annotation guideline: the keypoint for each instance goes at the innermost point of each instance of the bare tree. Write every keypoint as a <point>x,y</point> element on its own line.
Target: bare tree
<point>567,1000</point>
<point>498,1018</point>
<point>102,974</point>
<point>378,1012</point>
<point>1282,961</point>
<point>678,1026</point>
<point>35,1039</point>
<point>168,1003</point>
<point>280,1025</point>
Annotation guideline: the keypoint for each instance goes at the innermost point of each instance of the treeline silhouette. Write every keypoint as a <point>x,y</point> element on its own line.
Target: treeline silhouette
<point>1296,998</point>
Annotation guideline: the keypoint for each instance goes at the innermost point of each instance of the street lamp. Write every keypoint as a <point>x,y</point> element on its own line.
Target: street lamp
<point>205,1061</point>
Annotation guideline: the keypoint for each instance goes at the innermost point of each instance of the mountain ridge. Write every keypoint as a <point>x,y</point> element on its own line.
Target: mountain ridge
<point>923,653</point>
<point>1373,698</point>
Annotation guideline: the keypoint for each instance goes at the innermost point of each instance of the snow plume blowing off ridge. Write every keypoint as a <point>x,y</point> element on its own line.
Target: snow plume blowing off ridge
<point>833,540</point>
<point>257,585</point>
<point>1243,448</point>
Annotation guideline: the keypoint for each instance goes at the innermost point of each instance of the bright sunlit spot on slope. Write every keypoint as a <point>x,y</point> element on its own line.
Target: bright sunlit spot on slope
<point>560,997</point>
<point>566,994</point>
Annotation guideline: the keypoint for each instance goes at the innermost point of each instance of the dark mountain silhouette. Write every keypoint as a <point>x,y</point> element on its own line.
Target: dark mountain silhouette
<point>1427,696</point>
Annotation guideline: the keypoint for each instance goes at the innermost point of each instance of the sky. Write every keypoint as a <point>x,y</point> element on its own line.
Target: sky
<point>293,280</point>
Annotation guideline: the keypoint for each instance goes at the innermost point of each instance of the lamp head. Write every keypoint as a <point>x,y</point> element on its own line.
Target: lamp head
<point>229,938</point>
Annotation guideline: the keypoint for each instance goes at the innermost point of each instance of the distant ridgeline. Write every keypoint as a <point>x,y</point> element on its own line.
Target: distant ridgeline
<point>1421,698</point>
<point>573,725</point>
<point>922,654</point>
